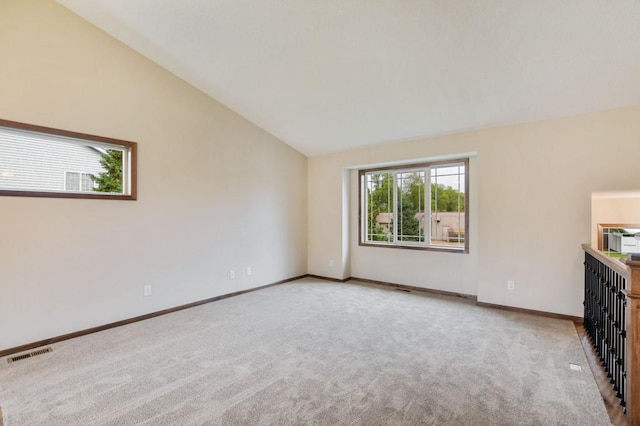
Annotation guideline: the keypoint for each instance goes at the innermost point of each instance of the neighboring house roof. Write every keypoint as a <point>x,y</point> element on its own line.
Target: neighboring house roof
<point>447,218</point>
<point>384,218</point>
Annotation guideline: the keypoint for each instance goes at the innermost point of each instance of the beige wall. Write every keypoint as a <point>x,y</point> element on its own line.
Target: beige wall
<point>610,207</point>
<point>530,208</point>
<point>215,192</point>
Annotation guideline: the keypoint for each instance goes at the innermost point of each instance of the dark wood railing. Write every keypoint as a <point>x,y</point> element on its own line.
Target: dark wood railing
<point>612,322</point>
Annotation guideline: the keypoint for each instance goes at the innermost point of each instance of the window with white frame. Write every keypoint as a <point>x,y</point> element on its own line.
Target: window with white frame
<point>82,182</point>
<point>420,206</point>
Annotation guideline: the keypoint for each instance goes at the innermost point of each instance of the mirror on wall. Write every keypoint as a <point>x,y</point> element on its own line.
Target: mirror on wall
<point>617,240</point>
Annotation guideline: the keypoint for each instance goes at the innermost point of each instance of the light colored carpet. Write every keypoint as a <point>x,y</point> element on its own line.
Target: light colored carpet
<point>313,352</point>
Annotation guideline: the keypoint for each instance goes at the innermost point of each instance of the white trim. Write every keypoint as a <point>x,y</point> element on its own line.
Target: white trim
<point>615,194</point>
<point>80,174</point>
<point>460,156</point>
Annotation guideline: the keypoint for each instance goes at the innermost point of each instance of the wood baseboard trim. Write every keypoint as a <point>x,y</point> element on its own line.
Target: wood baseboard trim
<point>97,329</point>
<point>335,280</point>
<point>611,403</point>
<point>531,312</point>
<point>465,296</point>
<point>29,346</point>
<point>414,288</point>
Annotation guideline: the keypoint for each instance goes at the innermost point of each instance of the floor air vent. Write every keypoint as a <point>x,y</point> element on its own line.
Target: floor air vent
<point>403,289</point>
<point>29,355</point>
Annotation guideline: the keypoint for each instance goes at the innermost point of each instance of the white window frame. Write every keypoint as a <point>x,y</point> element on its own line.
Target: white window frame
<point>81,174</point>
<point>411,168</point>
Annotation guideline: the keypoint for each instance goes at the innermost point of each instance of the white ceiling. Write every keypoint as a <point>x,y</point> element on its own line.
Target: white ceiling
<point>332,75</point>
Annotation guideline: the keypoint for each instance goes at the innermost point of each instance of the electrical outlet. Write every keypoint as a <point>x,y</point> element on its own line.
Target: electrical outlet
<point>249,271</point>
<point>331,263</point>
<point>147,290</point>
<point>232,275</point>
<point>511,285</point>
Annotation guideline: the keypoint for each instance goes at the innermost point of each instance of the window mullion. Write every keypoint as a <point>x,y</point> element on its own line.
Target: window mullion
<point>458,206</point>
<point>421,201</point>
<point>367,206</point>
<point>427,206</point>
<point>395,208</point>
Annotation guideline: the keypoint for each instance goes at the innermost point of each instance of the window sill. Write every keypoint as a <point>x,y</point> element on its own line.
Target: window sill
<point>459,250</point>
<point>69,194</point>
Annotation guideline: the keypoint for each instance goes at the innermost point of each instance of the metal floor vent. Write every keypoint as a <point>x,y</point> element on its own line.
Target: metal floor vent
<point>403,289</point>
<point>29,355</point>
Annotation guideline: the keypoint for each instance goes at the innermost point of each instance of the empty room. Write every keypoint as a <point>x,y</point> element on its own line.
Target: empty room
<point>303,212</point>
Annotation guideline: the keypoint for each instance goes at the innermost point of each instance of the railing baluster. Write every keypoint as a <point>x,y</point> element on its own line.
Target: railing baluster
<point>604,320</point>
<point>612,323</point>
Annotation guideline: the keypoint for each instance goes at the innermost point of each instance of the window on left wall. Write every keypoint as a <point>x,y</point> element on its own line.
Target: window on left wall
<point>38,161</point>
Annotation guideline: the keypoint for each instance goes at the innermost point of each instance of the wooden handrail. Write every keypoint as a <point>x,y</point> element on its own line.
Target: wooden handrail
<point>630,270</point>
<point>620,267</point>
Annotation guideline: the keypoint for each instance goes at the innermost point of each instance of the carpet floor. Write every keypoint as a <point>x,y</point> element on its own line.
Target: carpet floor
<point>313,352</point>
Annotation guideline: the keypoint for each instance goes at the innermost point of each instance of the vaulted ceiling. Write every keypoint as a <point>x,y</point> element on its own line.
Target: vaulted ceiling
<point>333,75</point>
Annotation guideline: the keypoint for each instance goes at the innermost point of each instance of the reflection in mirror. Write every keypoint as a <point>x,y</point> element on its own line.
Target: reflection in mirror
<point>619,240</point>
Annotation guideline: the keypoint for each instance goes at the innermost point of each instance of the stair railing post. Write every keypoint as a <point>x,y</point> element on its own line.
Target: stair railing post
<point>633,343</point>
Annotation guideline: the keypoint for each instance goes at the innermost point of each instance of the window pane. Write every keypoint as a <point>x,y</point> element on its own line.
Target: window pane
<point>618,241</point>
<point>38,161</point>
<point>410,199</point>
<point>72,181</point>
<point>447,205</point>
<point>380,205</point>
<point>419,205</point>
<point>110,179</point>
<point>87,182</point>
